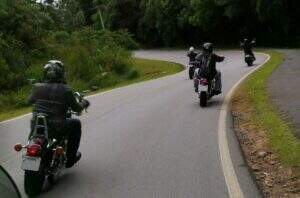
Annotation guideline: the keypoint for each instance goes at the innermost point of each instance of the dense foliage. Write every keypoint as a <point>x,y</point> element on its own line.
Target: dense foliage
<point>178,22</point>
<point>31,33</point>
<point>86,33</point>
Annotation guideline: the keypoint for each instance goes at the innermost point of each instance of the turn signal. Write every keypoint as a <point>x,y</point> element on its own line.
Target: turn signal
<point>18,147</point>
<point>59,150</point>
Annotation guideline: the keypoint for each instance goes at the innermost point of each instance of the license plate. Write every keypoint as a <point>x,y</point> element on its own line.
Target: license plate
<point>31,163</point>
<point>202,88</point>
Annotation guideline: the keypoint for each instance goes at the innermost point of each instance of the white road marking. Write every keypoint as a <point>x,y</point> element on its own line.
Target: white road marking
<point>231,180</point>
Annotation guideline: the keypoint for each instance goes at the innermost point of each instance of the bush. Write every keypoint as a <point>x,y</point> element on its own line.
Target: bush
<point>113,58</point>
<point>132,74</point>
<point>102,38</point>
<point>61,36</point>
<point>91,58</point>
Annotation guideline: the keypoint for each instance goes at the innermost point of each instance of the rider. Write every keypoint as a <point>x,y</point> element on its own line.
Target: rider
<point>247,46</point>
<point>53,98</point>
<point>192,55</point>
<point>206,62</point>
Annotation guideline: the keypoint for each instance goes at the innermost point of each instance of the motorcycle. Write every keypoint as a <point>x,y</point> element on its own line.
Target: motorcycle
<point>249,59</point>
<point>44,157</point>
<point>191,67</point>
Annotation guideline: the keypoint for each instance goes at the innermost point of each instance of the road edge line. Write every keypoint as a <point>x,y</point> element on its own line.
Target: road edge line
<point>233,186</point>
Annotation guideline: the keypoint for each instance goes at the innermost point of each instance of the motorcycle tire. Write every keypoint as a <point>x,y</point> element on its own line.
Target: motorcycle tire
<point>203,99</point>
<point>191,72</point>
<point>33,183</point>
<point>249,63</point>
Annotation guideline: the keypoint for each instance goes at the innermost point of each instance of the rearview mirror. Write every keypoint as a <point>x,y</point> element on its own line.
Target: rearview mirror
<point>8,187</point>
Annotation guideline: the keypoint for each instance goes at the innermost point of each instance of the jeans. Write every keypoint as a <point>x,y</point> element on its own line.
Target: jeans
<point>73,128</point>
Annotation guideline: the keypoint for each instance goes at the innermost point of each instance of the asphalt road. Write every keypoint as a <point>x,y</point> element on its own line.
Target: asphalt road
<point>148,140</point>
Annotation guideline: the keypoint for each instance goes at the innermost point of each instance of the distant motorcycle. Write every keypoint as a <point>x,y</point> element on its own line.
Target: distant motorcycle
<point>249,59</point>
<point>247,46</point>
<point>44,157</point>
<point>191,69</point>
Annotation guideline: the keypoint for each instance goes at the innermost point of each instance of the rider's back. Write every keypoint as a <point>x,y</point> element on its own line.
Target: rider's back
<point>50,98</point>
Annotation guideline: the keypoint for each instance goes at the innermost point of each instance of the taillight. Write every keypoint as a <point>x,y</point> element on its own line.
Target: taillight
<point>33,150</point>
<point>203,81</point>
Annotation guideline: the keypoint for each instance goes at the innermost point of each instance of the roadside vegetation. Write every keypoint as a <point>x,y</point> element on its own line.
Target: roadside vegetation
<point>270,147</point>
<point>169,23</point>
<point>95,58</point>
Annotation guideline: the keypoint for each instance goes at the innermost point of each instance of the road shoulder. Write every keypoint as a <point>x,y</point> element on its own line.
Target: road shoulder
<point>270,149</point>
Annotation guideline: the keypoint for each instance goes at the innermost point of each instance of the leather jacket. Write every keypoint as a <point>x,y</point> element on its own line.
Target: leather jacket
<point>54,100</point>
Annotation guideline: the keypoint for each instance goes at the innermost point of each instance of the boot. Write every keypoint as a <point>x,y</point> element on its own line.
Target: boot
<point>73,160</point>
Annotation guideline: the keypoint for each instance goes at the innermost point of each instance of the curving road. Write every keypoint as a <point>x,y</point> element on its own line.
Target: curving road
<point>148,140</point>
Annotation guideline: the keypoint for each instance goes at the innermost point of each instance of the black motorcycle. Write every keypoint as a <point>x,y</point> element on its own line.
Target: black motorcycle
<point>44,157</point>
<point>249,59</point>
<point>192,67</point>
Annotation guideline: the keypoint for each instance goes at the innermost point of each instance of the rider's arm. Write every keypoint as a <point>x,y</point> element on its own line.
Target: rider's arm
<point>72,102</point>
<point>219,58</point>
<point>32,98</point>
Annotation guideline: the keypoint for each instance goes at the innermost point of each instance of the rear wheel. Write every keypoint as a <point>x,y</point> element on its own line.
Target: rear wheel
<point>249,63</point>
<point>33,182</point>
<point>203,98</point>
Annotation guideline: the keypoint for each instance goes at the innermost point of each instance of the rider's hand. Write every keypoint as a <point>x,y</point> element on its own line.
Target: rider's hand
<point>85,103</point>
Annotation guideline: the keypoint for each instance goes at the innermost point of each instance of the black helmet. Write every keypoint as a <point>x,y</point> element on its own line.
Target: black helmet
<point>208,47</point>
<point>54,71</point>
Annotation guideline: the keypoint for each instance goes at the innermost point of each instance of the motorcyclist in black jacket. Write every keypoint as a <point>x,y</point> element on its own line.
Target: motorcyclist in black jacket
<point>53,98</point>
<point>192,55</point>
<point>206,62</point>
<point>248,45</point>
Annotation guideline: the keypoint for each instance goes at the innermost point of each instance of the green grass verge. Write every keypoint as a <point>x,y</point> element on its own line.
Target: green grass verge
<point>146,70</point>
<point>280,135</point>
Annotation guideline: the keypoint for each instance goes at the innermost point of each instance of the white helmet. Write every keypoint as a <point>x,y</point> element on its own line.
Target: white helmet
<point>192,49</point>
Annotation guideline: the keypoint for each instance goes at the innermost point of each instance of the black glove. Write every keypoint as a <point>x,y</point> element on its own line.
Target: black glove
<point>85,103</point>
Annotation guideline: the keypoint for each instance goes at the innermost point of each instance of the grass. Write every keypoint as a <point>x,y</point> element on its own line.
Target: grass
<point>280,138</point>
<point>146,70</point>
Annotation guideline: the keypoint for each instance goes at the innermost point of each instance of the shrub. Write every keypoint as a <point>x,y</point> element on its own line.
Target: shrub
<point>61,36</point>
<point>132,74</point>
<point>91,58</point>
